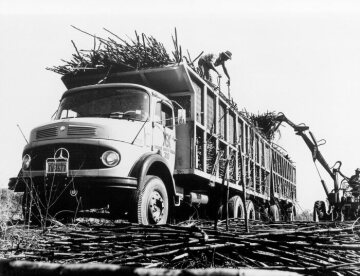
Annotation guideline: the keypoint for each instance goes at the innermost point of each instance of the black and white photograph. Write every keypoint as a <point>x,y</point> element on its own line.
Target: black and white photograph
<point>180,137</point>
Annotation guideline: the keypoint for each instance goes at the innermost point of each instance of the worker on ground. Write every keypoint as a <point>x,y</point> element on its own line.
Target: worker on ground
<point>210,61</point>
<point>354,183</point>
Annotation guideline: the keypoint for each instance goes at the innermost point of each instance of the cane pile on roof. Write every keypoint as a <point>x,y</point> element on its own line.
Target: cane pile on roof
<point>122,54</point>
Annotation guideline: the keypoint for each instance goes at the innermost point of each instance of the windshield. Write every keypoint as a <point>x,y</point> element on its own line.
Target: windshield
<point>114,102</point>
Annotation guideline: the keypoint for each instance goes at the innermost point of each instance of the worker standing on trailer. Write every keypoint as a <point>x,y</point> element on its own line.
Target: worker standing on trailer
<point>210,61</point>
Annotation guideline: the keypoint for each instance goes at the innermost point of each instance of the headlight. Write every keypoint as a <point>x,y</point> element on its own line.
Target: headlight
<point>26,162</point>
<point>110,158</point>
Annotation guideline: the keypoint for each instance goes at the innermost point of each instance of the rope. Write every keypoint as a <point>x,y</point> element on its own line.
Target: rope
<point>302,210</point>
<point>317,169</point>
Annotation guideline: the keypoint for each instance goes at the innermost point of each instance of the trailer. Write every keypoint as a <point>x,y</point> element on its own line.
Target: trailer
<point>179,144</point>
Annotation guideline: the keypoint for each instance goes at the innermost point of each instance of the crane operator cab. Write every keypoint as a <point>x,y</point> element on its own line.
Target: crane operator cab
<point>354,184</point>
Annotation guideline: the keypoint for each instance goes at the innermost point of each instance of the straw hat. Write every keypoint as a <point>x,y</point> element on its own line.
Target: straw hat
<point>228,54</point>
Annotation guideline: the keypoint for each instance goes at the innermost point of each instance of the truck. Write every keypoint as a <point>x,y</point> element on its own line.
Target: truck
<point>146,143</point>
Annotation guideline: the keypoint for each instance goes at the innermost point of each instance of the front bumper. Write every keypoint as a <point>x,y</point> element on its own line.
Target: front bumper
<point>19,184</point>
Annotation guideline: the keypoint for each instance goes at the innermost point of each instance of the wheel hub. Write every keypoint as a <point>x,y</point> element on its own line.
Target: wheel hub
<point>156,206</point>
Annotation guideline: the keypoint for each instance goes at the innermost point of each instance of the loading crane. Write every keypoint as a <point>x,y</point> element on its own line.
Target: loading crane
<point>343,201</point>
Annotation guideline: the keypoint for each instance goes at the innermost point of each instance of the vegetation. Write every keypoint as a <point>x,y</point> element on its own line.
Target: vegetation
<point>10,207</point>
<point>121,54</point>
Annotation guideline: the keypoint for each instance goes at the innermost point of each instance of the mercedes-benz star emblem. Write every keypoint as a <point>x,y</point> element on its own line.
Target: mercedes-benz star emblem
<point>62,153</point>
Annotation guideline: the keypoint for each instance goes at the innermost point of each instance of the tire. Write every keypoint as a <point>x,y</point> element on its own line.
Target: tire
<point>291,215</point>
<point>153,202</point>
<point>236,207</point>
<point>315,215</point>
<point>274,213</point>
<point>250,210</point>
<point>221,212</point>
<point>319,212</point>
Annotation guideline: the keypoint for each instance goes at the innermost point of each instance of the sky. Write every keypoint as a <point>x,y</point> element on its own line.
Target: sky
<point>301,58</point>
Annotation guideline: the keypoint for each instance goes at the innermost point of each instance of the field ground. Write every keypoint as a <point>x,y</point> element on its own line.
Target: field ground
<point>300,247</point>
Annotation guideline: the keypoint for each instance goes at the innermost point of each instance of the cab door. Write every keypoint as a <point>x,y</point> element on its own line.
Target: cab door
<point>164,132</point>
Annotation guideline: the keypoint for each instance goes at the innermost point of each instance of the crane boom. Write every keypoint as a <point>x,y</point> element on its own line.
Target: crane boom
<point>343,203</point>
<point>313,146</point>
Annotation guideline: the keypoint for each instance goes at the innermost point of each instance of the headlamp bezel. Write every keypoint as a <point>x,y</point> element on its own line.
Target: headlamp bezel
<point>106,162</point>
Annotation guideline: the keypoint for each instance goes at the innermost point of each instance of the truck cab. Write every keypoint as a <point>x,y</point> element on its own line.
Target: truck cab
<point>105,142</point>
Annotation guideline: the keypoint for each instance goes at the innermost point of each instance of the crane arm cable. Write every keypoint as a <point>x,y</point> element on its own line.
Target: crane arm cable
<point>317,169</point>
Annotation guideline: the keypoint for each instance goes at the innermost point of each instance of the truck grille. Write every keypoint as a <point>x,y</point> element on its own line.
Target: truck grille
<point>47,133</point>
<point>81,130</point>
<point>82,156</point>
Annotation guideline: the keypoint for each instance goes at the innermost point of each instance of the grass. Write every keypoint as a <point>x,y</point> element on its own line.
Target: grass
<point>13,232</point>
<point>10,207</point>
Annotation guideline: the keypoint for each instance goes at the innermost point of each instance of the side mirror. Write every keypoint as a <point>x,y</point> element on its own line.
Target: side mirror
<point>181,116</point>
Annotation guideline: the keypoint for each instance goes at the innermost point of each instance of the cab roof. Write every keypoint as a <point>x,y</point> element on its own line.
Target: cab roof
<point>168,79</point>
<point>116,85</point>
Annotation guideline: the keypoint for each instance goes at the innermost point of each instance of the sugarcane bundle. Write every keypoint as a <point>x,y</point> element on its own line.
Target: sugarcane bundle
<point>222,160</point>
<point>232,170</point>
<point>266,122</point>
<point>211,155</point>
<point>122,54</point>
<point>113,51</point>
<point>199,152</point>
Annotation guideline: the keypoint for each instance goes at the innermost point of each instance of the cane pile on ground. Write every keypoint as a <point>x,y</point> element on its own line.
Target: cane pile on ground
<point>304,247</point>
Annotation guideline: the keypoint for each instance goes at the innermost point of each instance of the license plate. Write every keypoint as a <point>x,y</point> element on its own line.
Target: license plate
<point>57,167</point>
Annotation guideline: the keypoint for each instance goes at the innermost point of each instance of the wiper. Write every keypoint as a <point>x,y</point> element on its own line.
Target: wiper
<point>124,115</point>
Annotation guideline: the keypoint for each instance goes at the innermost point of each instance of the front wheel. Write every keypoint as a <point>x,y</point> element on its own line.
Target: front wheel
<point>153,202</point>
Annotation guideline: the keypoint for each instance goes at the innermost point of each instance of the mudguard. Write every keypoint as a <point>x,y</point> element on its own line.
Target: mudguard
<point>160,167</point>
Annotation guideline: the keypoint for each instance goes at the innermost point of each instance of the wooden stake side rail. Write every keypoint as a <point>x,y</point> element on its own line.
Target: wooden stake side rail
<point>218,125</point>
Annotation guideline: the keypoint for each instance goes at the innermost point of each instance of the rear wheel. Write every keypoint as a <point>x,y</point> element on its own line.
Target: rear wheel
<point>153,202</point>
<point>250,209</point>
<point>236,207</point>
<point>289,213</point>
<point>292,214</point>
<point>319,211</point>
<point>274,213</point>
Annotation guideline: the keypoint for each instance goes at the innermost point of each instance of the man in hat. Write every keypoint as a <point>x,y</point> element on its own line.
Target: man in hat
<point>210,61</point>
<point>354,183</point>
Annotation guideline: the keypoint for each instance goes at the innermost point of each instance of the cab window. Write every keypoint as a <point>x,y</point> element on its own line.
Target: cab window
<point>163,115</point>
